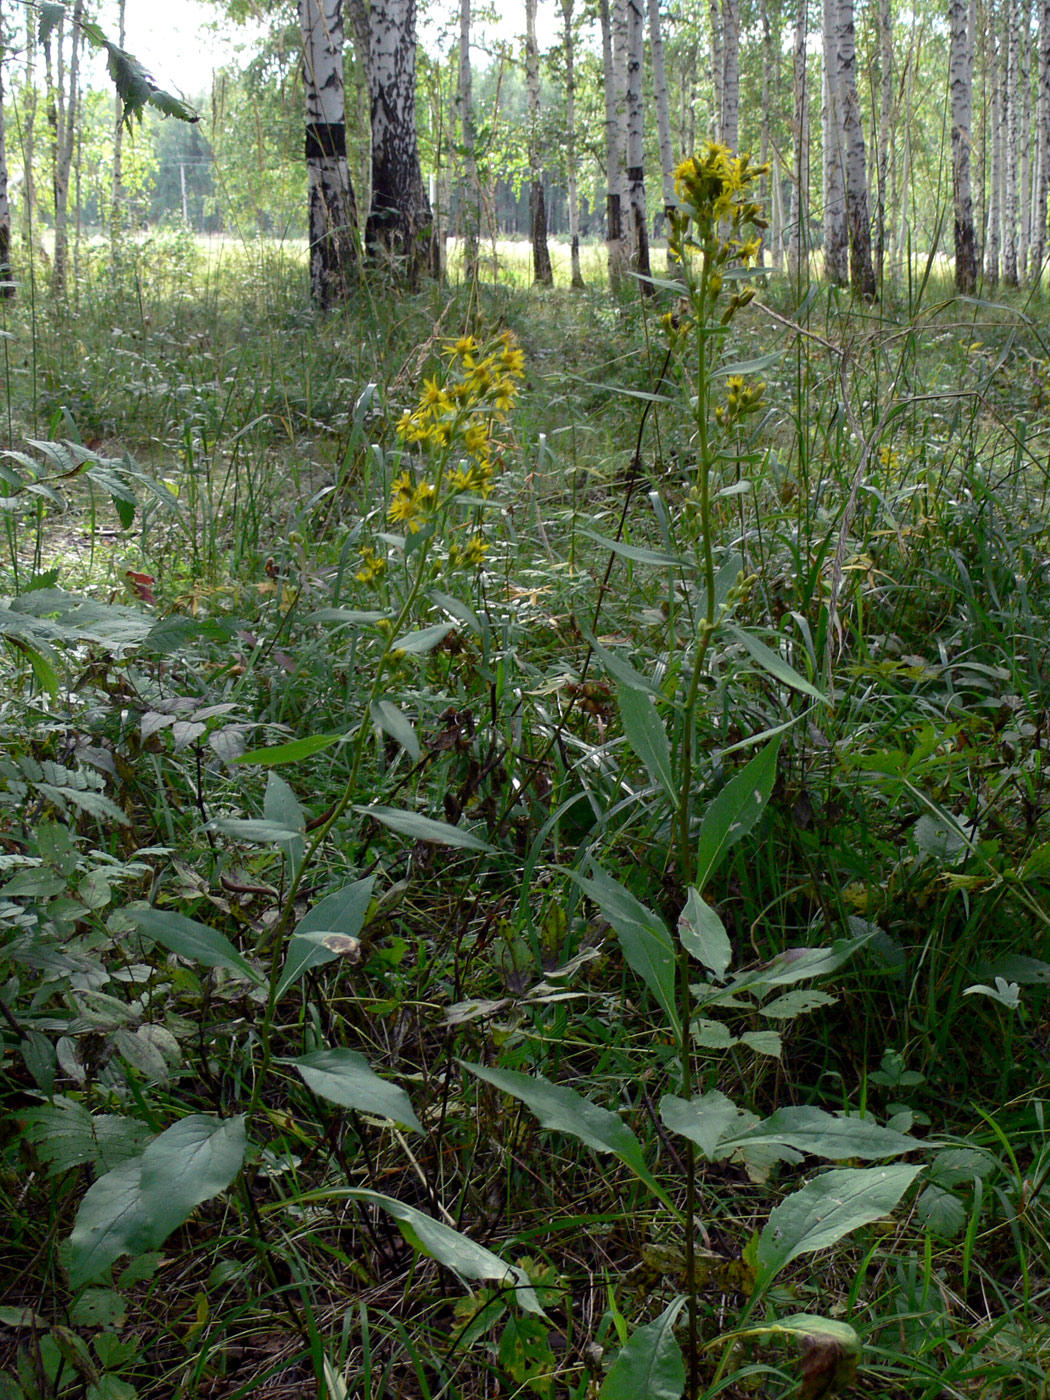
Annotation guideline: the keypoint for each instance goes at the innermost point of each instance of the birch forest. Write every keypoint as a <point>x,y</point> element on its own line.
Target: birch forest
<point>524,700</point>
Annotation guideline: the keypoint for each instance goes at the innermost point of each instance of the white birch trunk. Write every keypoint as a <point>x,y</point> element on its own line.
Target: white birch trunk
<point>729,132</point>
<point>400,226</point>
<point>861,270</point>
<point>1042,177</point>
<point>541,258</point>
<point>332,207</point>
<point>1011,102</point>
<point>570,143</point>
<point>636,138</point>
<point>1024,137</point>
<point>65,138</point>
<point>991,246</point>
<point>884,129</point>
<point>613,155</point>
<point>960,80</point>
<point>836,229</point>
<point>717,63</point>
<point>116,221</point>
<point>770,84</point>
<point>798,245</point>
<point>663,113</point>
<point>7,286</point>
<point>619,51</point>
<point>471,193</point>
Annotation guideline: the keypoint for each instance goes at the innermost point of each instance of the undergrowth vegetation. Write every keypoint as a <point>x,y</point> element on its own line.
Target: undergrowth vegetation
<point>523,834</point>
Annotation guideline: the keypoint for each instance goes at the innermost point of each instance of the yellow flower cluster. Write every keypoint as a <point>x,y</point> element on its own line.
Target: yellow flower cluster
<point>714,186</point>
<point>741,399</point>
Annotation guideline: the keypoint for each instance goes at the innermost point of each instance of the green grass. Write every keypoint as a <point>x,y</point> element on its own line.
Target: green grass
<point>910,812</point>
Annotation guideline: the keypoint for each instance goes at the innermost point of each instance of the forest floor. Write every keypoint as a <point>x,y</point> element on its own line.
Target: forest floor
<point>513,883</point>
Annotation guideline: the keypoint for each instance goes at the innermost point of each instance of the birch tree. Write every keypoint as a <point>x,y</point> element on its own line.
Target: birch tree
<point>400,226</point>
<point>613,155</point>
<point>861,270</point>
<point>541,258</point>
<point>7,287</point>
<point>64,140</point>
<point>1011,102</point>
<point>472,189</point>
<point>836,229</point>
<point>729,121</point>
<point>332,207</point>
<point>636,138</point>
<point>570,142</point>
<point>961,86</point>
<point>884,141</point>
<point>1024,136</point>
<point>991,242</point>
<point>619,61</point>
<point>798,240</point>
<point>117,205</point>
<point>663,111</point>
<point>1042,155</point>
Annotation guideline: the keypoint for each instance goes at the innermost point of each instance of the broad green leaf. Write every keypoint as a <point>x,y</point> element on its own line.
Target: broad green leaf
<point>562,1110</point>
<point>705,1120</point>
<point>824,1134</point>
<point>703,935</point>
<point>66,1135</point>
<point>344,1077</point>
<point>831,1352</point>
<point>825,1210</point>
<point>441,1242</point>
<point>736,809</point>
<point>390,720</point>
<point>50,16</point>
<point>421,828</point>
<point>425,640</point>
<point>193,941</point>
<point>342,912</point>
<point>646,735</point>
<point>281,806</point>
<point>763,1042</point>
<point>289,753</point>
<point>755,366</point>
<point>643,936</point>
<point>136,1207</point>
<point>651,1365</point>
<point>798,1003</point>
<point>800,964</point>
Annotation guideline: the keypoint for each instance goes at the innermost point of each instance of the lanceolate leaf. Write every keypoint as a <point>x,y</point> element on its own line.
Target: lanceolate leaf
<point>703,935</point>
<point>735,811</point>
<point>342,912</point>
<point>344,1077</point>
<point>421,828</point>
<point>455,1251</point>
<point>651,1365</point>
<point>825,1135</point>
<point>136,1207</point>
<point>825,1210</point>
<point>193,941</point>
<point>643,935</point>
<point>775,664</point>
<point>563,1110</point>
<point>646,735</point>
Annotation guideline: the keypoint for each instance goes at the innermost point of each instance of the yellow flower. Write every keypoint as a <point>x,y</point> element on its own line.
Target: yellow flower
<point>372,565</point>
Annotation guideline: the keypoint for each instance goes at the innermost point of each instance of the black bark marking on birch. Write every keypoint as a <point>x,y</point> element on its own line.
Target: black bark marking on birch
<point>325,140</point>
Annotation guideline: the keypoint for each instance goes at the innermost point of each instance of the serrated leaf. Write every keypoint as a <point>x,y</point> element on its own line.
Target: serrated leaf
<point>643,936</point>
<point>941,1212</point>
<point>763,1042</point>
<point>421,828</point>
<point>792,1004</point>
<point>51,15</point>
<point>66,1135</point>
<point>387,717</point>
<point>562,1110</point>
<point>441,1242</point>
<point>705,1120</point>
<point>647,737</point>
<point>193,941</point>
<point>825,1210</point>
<point>651,1365</point>
<point>703,935</point>
<point>736,809</point>
<point>344,1077</point>
<point>342,912</point>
